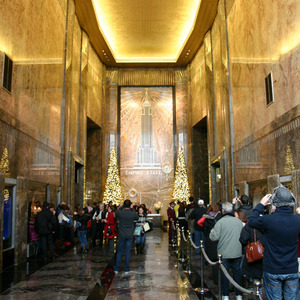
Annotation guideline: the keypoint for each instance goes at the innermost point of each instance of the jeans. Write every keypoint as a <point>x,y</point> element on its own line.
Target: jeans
<point>111,243</point>
<point>198,237</point>
<point>44,240</point>
<point>235,264</point>
<point>140,239</point>
<point>123,244</point>
<point>276,284</point>
<point>83,239</point>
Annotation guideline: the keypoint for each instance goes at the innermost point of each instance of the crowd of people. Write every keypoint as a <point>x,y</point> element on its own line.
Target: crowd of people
<point>93,226</point>
<point>230,227</point>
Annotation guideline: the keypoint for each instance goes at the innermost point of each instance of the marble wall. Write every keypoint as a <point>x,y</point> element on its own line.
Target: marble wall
<point>57,84</point>
<point>30,114</point>
<point>249,138</point>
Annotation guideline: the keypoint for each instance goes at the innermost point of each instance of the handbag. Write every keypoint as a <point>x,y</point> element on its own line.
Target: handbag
<point>148,226</point>
<point>254,250</point>
<point>137,230</point>
<point>109,231</point>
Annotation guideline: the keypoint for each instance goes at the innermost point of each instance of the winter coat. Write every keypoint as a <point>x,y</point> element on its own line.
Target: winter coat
<point>110,222</point>
<point>190,221</point>
<point>83,220</point>
<point>247,209</point>
<point>281,231</point>
<point>227,232</point>
<point>196,215</point>
<point>255,269</point>
<point>211,246</point>
<point>45,222</point>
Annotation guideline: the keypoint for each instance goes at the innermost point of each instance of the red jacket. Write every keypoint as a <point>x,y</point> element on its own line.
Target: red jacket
<point>171,214</point>
<point>111,221</point>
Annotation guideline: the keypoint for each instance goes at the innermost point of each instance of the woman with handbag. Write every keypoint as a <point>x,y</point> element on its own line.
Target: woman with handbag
<point>251,270</point>
<point>139,231</point>
<point>110,227</point>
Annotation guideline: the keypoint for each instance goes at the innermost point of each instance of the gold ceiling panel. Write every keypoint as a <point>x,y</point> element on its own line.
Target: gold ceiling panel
<point>146,33</point>
<point>139,31</point>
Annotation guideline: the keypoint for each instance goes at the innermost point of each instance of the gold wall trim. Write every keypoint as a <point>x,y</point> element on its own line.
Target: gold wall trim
<point>145,77</point>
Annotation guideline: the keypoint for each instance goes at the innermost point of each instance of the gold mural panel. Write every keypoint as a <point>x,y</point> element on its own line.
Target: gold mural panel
<point>147,150</point>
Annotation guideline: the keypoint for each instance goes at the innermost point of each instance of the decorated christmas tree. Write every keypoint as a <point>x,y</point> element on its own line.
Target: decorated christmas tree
<point>4,163</point>
<point>181,189</point>
<point>112,190</point>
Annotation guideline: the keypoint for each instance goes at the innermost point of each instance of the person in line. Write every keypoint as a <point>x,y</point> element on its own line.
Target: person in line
<point>110,228</point>
<point>82,219</point>
<point>126,216</point>
<point>240,214</point>
<point>212,215</point>
<point>45,222</point>
<point>196,215</point>
<point>189,209</point>
<point>172,221</point>
<point>227,232</point>
<point>281,231</point>
<point>181,218</point>
<point>98,224</point>
<point>251,271</point>
<point>140,239</point>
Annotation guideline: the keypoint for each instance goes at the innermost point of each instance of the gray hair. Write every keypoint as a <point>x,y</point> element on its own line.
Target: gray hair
<point>227,207</point>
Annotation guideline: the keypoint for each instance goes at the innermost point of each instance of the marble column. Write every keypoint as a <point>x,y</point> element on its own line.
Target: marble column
<point>273,182</point>
<point>296,185</point>
<point>22,199</point>
<point>2,186</point>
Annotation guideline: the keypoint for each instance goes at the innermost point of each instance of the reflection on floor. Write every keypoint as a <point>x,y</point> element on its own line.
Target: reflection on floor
<point>154,275</point>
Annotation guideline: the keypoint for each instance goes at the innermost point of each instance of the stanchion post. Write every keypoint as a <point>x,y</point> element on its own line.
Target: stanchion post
<point>219,275</point>
<point>189,270</point>
<point>182,259</point>
<point>257,285</point>
<point>202,268</point>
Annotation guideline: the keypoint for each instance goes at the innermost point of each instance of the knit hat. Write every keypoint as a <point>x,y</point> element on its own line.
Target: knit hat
<point>200,202</point>
<point>282,197</point>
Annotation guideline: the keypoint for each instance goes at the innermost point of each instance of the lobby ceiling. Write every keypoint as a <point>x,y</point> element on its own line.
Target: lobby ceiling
<point>146,33</point>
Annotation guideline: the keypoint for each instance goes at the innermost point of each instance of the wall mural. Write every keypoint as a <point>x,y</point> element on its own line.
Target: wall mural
<point>147,153</point>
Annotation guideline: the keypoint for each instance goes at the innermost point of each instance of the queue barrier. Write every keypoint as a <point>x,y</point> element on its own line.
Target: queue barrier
<point>256,292</point>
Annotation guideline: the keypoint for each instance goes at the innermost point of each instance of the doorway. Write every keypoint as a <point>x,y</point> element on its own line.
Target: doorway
<point>200,161</point>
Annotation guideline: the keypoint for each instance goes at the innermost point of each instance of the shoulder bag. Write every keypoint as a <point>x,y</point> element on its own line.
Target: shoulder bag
<point>254,250</point>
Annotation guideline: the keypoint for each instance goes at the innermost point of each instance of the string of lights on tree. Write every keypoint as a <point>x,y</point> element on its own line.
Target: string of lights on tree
<point>181,189</point>
<point>112,190</point>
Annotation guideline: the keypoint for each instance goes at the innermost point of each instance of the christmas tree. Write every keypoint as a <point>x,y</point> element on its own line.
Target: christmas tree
<point>112,190</point>
<point>4,164</point>
<point>289,163</point>
<point>181,189</point>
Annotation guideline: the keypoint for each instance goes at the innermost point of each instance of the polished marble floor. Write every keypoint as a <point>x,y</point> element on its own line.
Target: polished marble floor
<point>154,275</point>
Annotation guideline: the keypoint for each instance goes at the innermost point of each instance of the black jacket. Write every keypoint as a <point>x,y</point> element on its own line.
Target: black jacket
<point>247,209</point>
<point>83,221</point>
<point>255,269</point>
<point>211,246</point>
<point>196,215</point>
<point>45,222</point>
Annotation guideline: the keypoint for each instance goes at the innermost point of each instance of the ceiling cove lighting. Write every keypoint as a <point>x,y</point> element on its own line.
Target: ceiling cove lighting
<point>146,31</point>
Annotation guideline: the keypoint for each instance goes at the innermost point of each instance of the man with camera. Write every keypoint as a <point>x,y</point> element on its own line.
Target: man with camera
<point>281,230</point>
<point>126,217</point>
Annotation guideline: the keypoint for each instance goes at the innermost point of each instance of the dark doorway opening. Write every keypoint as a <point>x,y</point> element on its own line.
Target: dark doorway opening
<point>93,162</point>
<point>200,161</point>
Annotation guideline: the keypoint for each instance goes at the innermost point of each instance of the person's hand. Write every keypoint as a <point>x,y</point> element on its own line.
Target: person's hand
<point>235,200</point>
<point>212,230</point>
<point>171,219</point>
<point>75,212</point>
<point>298,210</point>
<point>265,200</point>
